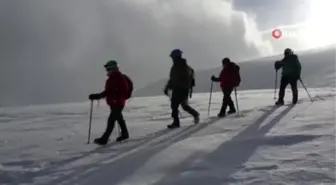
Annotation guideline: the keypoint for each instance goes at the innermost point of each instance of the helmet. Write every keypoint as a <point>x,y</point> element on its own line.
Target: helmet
<point>111,65</point>
<point>288,52</point>
<point>176,53</point>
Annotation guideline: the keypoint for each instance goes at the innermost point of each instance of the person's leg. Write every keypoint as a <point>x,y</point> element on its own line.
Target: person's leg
<point>230,101</point>
<point>109,128</point>
<point>187,107</point>
<point>293,84</point>
<point>124,131</point>
<point>283,84</point>
<point>225,103</point>
<point>174,104</point>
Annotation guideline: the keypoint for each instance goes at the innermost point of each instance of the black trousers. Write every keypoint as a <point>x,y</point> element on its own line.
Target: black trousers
<point>227,100</point>
<point>115,115</point>
<point>285,80</point>
<point>180,97</point>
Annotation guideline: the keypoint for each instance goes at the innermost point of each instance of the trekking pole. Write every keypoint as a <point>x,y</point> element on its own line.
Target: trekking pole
<point>90,121</point>
<point>210,97</point>
<point>275,83</point>
<point>235,89</point>
<point>311,99</point>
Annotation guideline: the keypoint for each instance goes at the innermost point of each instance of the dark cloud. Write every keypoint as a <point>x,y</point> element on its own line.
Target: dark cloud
<point>53,51</point>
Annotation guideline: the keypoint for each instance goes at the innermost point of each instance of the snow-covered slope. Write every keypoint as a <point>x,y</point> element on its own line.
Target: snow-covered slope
<point>264,145</point>
<point>318,70</point>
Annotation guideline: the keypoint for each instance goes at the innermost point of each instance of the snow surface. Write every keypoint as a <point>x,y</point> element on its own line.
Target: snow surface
<point>263,145</point>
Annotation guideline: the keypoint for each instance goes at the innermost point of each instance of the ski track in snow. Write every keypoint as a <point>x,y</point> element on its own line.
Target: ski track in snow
<point>263,145</point>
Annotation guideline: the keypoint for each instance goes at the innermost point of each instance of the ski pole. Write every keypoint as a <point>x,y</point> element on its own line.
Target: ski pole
<point>306,89</point>
<point>210,97</point>
<point>235,89</point>
<point>275,83</point>
<point>90,121</point>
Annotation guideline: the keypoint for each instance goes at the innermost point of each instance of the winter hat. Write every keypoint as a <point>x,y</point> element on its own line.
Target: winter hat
<point>111,65</point>
<point>288,51</point>
<point>176,53</point>
<point>226,60</point>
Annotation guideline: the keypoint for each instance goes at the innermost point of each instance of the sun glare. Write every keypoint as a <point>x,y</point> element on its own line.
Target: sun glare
<point>321,27</point>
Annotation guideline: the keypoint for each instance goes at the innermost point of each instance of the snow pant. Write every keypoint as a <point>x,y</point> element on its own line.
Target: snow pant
<point>115,115</point>
<point>285,80</point>
<point>227,100</point>
<point>180,97</point>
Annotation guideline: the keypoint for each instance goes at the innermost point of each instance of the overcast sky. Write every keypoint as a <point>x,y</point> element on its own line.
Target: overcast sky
<point>53,51</point>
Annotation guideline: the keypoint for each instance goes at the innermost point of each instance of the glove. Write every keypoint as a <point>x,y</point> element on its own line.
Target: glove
<point>277,65</point>
<point>94,96</point>
<point>166,91</point>
<point>213,78</point>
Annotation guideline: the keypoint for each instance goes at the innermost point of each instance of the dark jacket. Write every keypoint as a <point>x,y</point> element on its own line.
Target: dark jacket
<point>181,75</point>
<point>290,65</point>
<point>229,76</point>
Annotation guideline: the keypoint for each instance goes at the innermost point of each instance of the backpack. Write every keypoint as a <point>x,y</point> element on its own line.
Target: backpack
<point>192,75</point>
<point>192,85</point>
<point>238,76</point>
<point>130,86</point>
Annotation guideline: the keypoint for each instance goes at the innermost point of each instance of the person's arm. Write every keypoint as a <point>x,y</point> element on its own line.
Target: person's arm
<point>215,79</point>
<point>169,83</point>
<point>98,96</point>
<point>278,65</point>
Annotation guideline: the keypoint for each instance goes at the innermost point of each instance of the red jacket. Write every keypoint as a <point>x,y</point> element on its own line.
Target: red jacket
<point>116,89</point>
<point>229,76</point>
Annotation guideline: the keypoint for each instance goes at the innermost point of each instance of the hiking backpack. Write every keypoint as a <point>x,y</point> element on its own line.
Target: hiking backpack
<point>130,86</point>
<point>238,76</point>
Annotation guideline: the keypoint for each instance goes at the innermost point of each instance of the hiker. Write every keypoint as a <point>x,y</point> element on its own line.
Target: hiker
<point>229,79</point>
<point>291,72</point>
<point>181,80</point>
<point>116,92</point>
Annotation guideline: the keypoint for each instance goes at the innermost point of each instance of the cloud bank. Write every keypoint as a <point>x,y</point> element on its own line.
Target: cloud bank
<point>53,51</point>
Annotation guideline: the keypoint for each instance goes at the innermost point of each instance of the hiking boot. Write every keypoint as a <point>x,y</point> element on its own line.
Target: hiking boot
<point>295,101</point>
<point>173,125</point>
<point>232,111</point>
<point>122,137</point>
<point>280,102</point>
<point>196,119</point>
<point>221,115</point>
<point>100,141</point>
